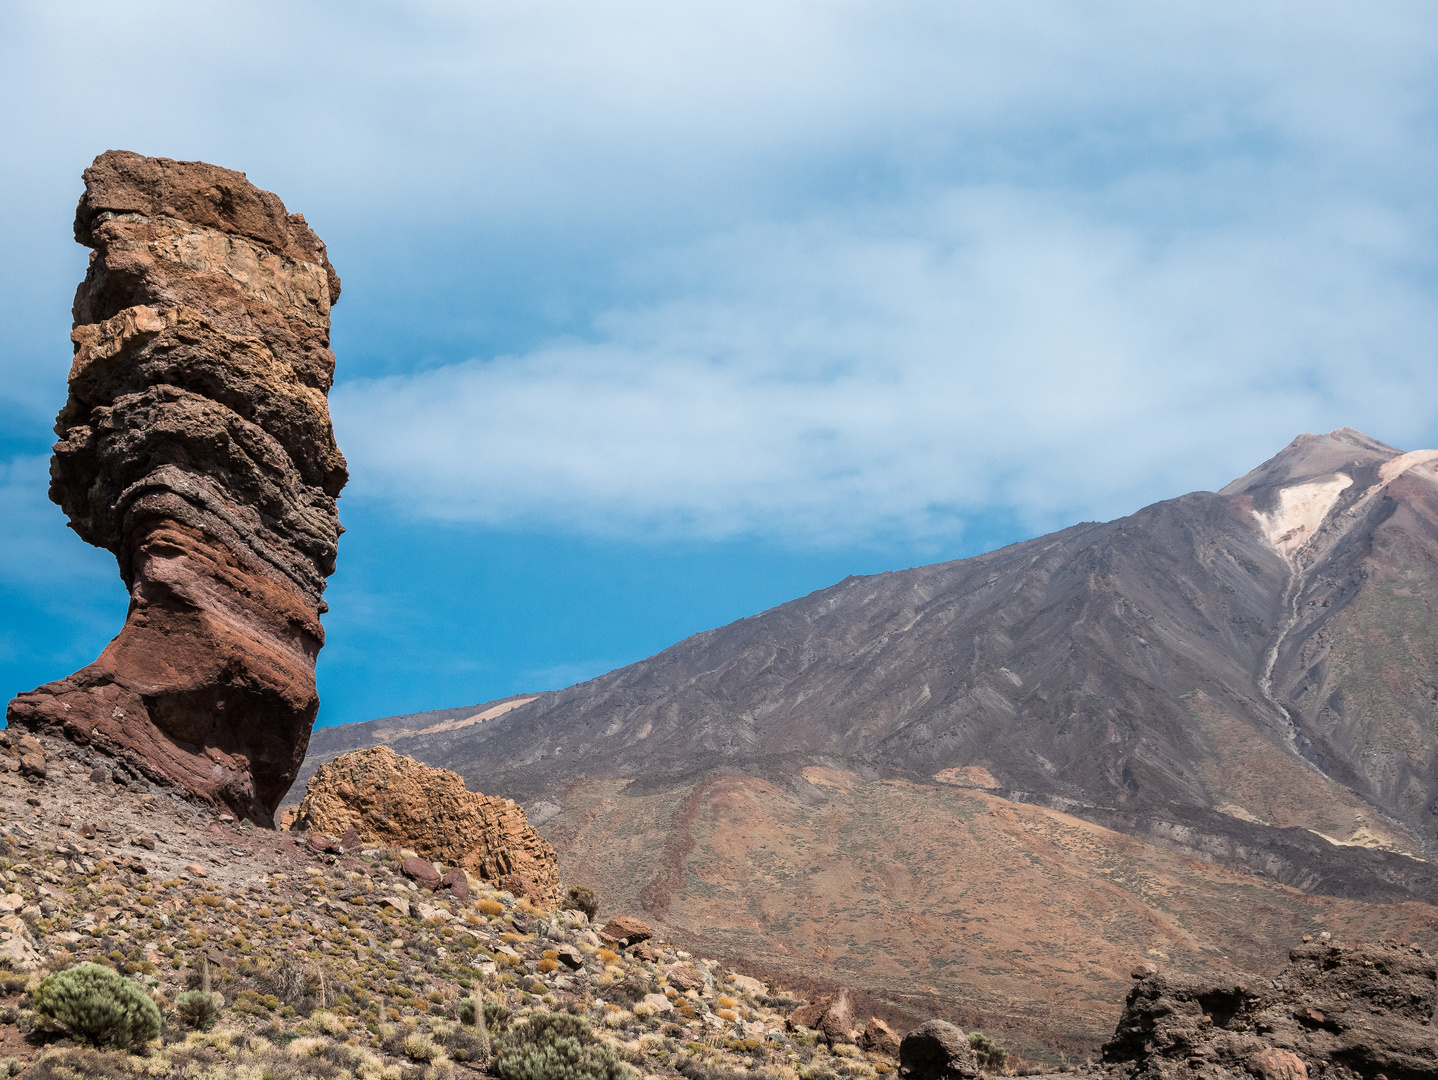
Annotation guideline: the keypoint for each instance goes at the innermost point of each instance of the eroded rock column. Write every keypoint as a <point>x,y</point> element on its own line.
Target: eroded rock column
<point>196,445</point>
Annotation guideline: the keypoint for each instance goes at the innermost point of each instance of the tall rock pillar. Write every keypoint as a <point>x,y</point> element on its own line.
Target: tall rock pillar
<point>196,445</point>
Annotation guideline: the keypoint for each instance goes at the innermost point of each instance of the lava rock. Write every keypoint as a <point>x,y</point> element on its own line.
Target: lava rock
<point>421,872</point>
<point>626,930</point>
<point>937,1050</point>
<point>1368,1008</point>
<point>879,1038</point>
<point>392,799</point>
<point>196,446</point>
<point>457,882</point>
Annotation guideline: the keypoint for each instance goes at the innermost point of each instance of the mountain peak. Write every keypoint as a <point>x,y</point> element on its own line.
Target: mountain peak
<point>1311,456</point>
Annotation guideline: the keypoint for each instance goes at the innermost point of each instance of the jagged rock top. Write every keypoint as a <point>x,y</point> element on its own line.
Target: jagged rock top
<point>201,364</point>
<point>123,182</point>
<point>1366,1009</point>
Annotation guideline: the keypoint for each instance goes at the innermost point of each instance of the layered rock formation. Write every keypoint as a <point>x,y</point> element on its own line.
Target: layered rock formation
<point>196,446</point>
<point>394,800</point>
<point>1334,1011</point>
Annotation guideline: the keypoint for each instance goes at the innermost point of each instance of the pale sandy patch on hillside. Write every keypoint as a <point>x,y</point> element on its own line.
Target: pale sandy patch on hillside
<point>1364,838</point>
<point>461,722</point>
<point>824,776</point>
<point>1236,811</point>
<point>1391,470</point>
<point>1301,509</point>
<point>974,776</point>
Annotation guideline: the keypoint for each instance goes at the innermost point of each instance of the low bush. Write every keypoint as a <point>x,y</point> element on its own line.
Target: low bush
<point>992,1057</point>
<point>197,1008</point>
<point>581,898</point>
<point>98,1005</point>
<point>418,1047</point>
<point>556,1046</point>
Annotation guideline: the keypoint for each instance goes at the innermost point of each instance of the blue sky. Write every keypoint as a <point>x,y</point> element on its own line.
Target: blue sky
<point>656,315</point>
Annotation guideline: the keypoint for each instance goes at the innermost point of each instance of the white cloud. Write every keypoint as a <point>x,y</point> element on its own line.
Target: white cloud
<point>864,267</point>
<point>893,370</point>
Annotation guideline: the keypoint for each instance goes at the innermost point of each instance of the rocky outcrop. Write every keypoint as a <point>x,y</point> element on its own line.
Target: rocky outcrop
<point>832,1016</point>
<point>879,1038</point>
<point>395,800</point>
<point>937,1050</point>
<point>1335,1011</point>
<point>196,446</point>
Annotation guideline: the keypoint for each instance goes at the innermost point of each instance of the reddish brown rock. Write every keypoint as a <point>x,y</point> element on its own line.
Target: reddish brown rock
<point>626,930</point>
<point>323,844</point>
<point>196,446</point>
<point>684,977</point>
<point>832,1016</point>
<point>351,841</point>
<point>421,872</point>
<point>457,882</point>
<point>525,887</point>
<point>1276,1064</point>
<point>394,800</point>
<point>879,1038</point>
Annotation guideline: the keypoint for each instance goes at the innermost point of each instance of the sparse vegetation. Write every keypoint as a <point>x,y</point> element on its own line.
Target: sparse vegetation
<point>312,970</point>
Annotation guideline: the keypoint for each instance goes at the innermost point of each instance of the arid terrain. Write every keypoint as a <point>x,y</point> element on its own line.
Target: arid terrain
<point>991,786</point>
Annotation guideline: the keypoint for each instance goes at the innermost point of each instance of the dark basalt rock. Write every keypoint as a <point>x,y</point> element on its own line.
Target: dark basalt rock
<point>196,446</point>
<point>1334,1011</point>
<point>937,1050</point>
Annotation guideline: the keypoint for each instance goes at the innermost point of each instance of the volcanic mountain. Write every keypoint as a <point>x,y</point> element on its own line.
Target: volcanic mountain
<point>1175,734</point>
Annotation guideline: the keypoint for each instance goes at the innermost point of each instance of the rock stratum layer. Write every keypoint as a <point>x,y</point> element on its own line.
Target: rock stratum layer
<point>390,799</point>
<point>196,445</point>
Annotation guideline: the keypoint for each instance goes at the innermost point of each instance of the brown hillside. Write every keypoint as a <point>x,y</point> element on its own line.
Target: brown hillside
<point>1212,721</point>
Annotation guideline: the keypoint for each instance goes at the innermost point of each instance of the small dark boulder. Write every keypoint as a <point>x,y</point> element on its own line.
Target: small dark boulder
<point>937,1050</point>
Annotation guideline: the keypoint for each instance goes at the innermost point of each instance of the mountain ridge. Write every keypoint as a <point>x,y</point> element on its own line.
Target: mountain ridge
<point>930,770</point>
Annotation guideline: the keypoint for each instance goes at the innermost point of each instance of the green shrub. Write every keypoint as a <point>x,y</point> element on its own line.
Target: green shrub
<point>417,1047</point>
<point>991,1055</point>
<point>582,898</point>
<point>197,1008</point>
<point>496,1015</point>
<point>556,1046</point>
<point>98,1005</point>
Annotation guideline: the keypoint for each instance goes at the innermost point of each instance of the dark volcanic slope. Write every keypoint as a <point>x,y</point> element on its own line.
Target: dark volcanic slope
<point>1230,672</point>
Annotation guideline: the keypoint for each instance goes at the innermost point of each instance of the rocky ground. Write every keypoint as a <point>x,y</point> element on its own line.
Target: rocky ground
<point>338,961</point>
<point>330,964</point>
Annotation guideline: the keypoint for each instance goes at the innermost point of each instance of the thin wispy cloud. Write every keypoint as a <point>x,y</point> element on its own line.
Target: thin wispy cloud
<point>896,369</point>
